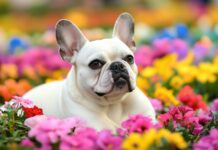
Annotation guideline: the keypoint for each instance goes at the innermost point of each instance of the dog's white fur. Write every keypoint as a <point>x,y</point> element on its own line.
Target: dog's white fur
<point>76,95</point>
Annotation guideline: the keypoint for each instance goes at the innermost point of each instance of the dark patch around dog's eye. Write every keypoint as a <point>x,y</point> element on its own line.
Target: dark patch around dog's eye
<point>129,59</point>
<point>96,64</point>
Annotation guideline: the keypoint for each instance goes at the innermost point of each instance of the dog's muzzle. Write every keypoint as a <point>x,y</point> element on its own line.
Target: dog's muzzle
<point>120,75</point>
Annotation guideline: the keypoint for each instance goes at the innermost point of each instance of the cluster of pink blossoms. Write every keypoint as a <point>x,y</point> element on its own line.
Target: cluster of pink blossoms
<point>67,134</point>
<point>136,123</point>
<point>185,117</point>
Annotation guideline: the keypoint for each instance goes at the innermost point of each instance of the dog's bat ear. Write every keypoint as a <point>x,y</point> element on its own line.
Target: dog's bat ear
<point>124,30</point>
<point>69,38</point>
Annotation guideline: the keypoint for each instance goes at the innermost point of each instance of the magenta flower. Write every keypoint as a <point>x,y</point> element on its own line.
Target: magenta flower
<point>156,104</point>
<point>76,142</point>
<point>142,53</point>
<point>204,117</point>
<point>51,130</point>
<point>108,141</point>
<point>184,116</point>
<point>208,142</point>
<point>136,123</point>
<point>83,138</point>
<point>27,143</point>
<point>214,106</point>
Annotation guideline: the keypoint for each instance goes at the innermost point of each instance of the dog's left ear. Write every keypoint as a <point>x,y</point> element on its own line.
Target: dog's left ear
<point>124,30</point>
<point>70,39</point>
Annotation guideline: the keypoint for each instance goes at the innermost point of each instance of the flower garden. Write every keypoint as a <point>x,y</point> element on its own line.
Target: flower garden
<point>178,71</point>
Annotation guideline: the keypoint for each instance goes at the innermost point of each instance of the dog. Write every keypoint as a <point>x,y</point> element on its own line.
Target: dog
<point>101,86</point>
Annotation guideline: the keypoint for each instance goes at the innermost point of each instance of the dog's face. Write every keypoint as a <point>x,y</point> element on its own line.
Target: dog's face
<point>105,69</point>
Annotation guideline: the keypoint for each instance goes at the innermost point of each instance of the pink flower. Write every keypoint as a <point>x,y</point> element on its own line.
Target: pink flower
<point>108,141</point>
<point>50,130</point>
<point>208,142</point>
<point>33,121</point>
<point>83,138</point>
<point>76,142</point>
<point>184,116</point>
<point>142,53</point>
<point>27,143</point>
<point>214,106</point>
<point>156,104</point>
<point>136,123</point>
<point>204,117</point>
<point>23,102</point>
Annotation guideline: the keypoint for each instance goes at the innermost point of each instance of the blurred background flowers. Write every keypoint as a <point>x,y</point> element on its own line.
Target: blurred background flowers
<point>177,58</point>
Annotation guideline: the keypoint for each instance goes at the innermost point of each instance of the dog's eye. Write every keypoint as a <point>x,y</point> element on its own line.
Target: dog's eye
<point>129,59</point>
<point>96,64</point>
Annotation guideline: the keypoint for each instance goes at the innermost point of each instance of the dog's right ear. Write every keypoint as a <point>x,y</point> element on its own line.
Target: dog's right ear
<point>70,39</point>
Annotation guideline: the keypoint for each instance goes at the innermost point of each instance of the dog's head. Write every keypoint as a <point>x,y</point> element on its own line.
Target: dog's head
<point>104,68</point>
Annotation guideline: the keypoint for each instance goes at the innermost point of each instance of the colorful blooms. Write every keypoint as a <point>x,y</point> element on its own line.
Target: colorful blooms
<point>189,98</point>
<point>166,96</point>
<point>181,116</point>
<point>153,139</point>
<point>208,142</point>
<point>136,123</point>
<point>56,130</point>
<point>176,69</point>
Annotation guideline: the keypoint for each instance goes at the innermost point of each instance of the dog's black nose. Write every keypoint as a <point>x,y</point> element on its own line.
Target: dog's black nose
<point>117,66</point>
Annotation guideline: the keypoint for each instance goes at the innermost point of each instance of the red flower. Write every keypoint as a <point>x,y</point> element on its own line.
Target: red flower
<point>30,112</point>
<point>189,98</point>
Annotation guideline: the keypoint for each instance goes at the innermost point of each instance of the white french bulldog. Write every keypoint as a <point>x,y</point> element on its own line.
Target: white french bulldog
<point>101,86</point>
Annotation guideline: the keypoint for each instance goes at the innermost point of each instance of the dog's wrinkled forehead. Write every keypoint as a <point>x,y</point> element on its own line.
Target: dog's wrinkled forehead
<point>110,49</point>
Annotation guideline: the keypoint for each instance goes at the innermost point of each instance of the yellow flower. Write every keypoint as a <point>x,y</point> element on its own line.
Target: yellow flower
<point>164,66</point>
<point>149,137</point>
<point>177,139</point>
<point>188,60</point>
<point>207,73</point>
<point>173,138</point>
<point>133,142</point>
<point>187,73</point>
<point>166,96</point>
<point>176,82</point>
<point>148,72</point>
<point>142,83</point>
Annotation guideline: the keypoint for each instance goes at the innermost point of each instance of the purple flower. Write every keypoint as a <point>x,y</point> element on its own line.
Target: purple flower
<point>208,142</point>
<point>200,51</point>
<point>179,47</point>
<point>214,106</point>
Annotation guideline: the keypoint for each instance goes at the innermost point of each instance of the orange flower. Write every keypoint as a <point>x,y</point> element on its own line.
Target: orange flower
<point>11,88</point>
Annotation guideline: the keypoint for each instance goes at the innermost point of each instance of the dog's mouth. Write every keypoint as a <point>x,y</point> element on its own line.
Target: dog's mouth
<point>120,81</point>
